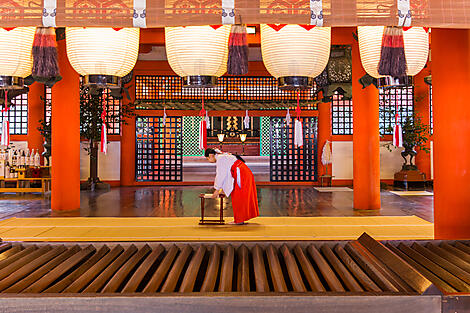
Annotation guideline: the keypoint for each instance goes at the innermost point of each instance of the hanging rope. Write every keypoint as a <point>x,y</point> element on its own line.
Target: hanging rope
<point>104,131</point>
<point>5,140</point>
<point>202,126</point>
<point>298,110</point>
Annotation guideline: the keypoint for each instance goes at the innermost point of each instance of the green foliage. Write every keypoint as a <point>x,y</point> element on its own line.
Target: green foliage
<point>91,107</point>
<point>45,130</point>
<point>415,132</point>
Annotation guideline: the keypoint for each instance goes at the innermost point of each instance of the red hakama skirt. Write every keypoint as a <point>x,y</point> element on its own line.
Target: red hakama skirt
<point>244,197</point>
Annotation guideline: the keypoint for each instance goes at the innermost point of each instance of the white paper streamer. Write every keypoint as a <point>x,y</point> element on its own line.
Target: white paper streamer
<point>228,12</point>
<point>316,12</point>
<point>246,120</point>
<point>139,16</point>
<point>49,13</point>
<point>208,120</point>
<point>288,118</point>
<point>164,117</point>
<point>404,13</point>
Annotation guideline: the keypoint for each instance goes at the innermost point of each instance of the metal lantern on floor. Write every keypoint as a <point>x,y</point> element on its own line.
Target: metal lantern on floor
<point>295,54</point>
<point>15,56</point>
<point>102,55</point>
<point>416,46</point>
<point>198,53</point>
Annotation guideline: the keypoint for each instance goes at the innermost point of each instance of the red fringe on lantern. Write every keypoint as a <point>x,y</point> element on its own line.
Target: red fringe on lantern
<point>45,63</point>
<point>392,57</point>
<point>237,63</point>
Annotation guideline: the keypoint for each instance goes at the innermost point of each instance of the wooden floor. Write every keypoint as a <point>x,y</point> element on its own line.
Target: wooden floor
<point>183,201</point>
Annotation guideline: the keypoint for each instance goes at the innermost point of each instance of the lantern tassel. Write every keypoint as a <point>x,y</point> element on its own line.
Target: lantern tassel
<point>237,62</point>
<point>45,63</point>
<point>392,56</point>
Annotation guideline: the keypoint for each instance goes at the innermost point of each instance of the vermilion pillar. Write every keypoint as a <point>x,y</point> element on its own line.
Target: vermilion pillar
<point>65,137</point>
<point>366,153</point>
<point>421,107</point>
<point>128,147</point>
<point>451,112</point>
<point>324,133</point>
<point>35,113</point>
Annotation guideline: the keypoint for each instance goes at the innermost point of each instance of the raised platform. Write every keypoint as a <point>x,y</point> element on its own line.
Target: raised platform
<point>187,229</point>
<point>196,168</point>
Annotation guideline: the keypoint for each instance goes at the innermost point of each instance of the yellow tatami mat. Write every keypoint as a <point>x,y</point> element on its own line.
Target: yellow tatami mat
<point>187,229</point>
<point>413,193</point>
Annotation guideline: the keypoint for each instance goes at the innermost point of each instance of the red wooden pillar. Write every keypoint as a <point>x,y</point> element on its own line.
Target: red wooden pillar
<point>366,153</point>
<point>128,146</point>
<point>65,137</point>
<point>422,109</point>
<point>451,113</point>
<point>35,113</point>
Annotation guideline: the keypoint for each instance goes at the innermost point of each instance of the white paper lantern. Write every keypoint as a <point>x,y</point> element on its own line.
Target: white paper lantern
<point>295,52</point>
<point>197,53</point>
<point>15,55</point>
<point>416,42</point>
<point>102,52</point>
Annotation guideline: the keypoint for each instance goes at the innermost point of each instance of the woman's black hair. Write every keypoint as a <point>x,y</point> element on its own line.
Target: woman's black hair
<point>210,151</point>
<point>239,158</point>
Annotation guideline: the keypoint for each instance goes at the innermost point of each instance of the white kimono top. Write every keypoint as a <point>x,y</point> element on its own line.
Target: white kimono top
<point>223,176</point>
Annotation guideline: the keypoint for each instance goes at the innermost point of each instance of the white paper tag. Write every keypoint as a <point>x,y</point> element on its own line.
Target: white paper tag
<point>139,16</point>
<point>228,12</point>
<point>49,13</point>
<point>316,12</point>
<point>404,13</point>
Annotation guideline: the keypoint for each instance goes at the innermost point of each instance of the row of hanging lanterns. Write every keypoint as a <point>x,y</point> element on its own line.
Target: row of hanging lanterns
<point>101,55</point>
<point>294,54</point>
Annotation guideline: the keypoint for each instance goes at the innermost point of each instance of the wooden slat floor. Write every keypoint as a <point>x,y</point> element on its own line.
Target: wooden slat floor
<point>363,266</point>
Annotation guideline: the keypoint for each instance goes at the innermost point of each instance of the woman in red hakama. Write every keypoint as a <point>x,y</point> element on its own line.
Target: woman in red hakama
<point>237,180</point>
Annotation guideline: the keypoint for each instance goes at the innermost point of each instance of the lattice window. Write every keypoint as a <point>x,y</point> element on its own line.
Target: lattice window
<point>288,163</point>
<point>431,120</point>
<point>264,138</point>
<point>18,115</point>
<point>342,115</point>
<point>229,88</point>
<point>392,100</point>
<point>159,149</point>
<point>191,136</point>
<point>47,104</point>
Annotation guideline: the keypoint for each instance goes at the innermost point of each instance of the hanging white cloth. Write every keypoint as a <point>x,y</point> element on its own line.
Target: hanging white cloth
<point>397,132</point>
<point>288,118</point>
<point>202,134</point>
<point>5,141</point>
<point>164,117</point>
<point>298,134</point>
<point>326,153</point>
<point>208,120</point>
<point>246,120</point>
